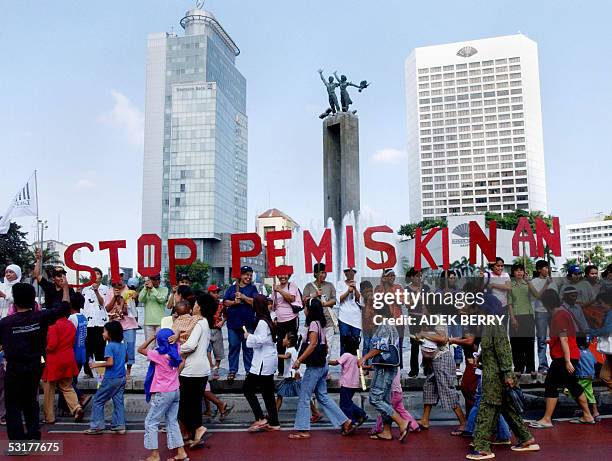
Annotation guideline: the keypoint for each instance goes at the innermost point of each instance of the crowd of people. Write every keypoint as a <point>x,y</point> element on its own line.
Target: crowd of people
<point>94,331</point>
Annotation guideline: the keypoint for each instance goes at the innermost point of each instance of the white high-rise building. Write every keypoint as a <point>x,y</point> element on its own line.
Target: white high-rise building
<point>584,237</point>
<point>195,151</point>
<point>475,128</point>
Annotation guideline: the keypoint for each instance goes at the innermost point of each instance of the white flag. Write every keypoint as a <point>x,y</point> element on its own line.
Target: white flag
<point>24,204</point>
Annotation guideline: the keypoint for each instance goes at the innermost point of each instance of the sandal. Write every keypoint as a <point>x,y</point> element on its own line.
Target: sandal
<point>378,437</point>
<point>423,427</point>
<point>404,435</point>
<point>299,435</point>
<point>315,418</point>
<point>457,432</point>
<point>231,377</point>
<point>93,431</point>
<point>351,428</point>
<point>581,421</point>
<point>201,442</point>
<point>225,413</point>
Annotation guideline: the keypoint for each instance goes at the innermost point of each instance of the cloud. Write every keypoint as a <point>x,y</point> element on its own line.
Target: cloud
<point>389,155</point>
<point>85,184</point>
<point>126,116</point>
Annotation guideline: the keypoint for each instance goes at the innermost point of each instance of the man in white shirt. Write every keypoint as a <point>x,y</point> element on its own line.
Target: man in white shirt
<point>96,297</point>
<point>349,316</point>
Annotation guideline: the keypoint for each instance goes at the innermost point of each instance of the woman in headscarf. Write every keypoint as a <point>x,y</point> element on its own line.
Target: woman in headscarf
<point>162,390</point>
<point>12,275</point>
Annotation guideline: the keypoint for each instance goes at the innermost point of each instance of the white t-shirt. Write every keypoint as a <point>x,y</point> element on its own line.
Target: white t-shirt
<point>499,280</point>
<point>349,311</point>
<point>538,283</point>
<point>293,355</point>
<point>95,313</point>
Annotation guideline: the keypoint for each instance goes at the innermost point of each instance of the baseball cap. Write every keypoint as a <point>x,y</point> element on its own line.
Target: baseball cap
<point>245,269</point>
<point>574,269</point>
<point>155,277</point>
<point>58,270</point>
<point>569,289</point>
<point>349,269</point>
<point>212,288</point>
<point>133,282</point>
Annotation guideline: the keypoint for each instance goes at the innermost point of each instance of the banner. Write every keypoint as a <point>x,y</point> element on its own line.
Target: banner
<point>24,204</point>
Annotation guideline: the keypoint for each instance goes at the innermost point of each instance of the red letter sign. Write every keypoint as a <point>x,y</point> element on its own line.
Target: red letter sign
<point>479,239</point>
<point>173,261</point>
<point>543,234</point>
<point>350,247</point>
<point>420,248</point>
<point>154,243</point>
<point>113,253</point>
<point>323,249</point>
<point>523,227</point>
<point>71,264</point>
<point>273,252</point>
<point>383,247</point>
<point>237,253</point>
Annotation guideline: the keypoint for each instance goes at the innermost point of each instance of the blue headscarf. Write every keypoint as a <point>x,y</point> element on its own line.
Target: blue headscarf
<point>164,348</point>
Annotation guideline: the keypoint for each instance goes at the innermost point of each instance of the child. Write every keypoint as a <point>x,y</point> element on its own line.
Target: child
<point>184,323</point>
<point>113,384</point>
<point>397,401</point>
<point>349,381</point>
<point>223,408</point>
<point>162,390</point>
<point>290,385</point>
<point>585,372</point>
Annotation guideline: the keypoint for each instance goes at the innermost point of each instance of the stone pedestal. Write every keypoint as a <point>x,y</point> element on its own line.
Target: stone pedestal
<point>340,170</point>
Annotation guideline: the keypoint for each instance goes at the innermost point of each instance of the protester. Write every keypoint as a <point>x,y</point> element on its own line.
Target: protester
<point>522,322</point>
<point>539,284</point>
<point>80,352</point>
<point>349,314</point>
<point>565,355</point>
<point>117,308</point>
<point>440,378</point>
<point>570,297</point>
<point>96,297</point>
<point>60,366</point>
<point>12,275</point>
<point>314,356</point>
<point>415,311</point>
<point>216,335</point>
<point>239,301</point>
<point>325,292</point>
<point>349,380</point>
<point>286,303</point>
<point>113,384</point>
<point>575,278</point>
<point>194,376</point>
<point>499,282</point>
<point>23,337</point>
<point>290,385</point>
<point>585,372</point>
<point>448,284</point>
<point>261,374</point>
<point>368,327</point>
<point>397,402</point>
<point>497,375</point>
<point>385,350</point>
<point>162,390</point>
<point>154,298</point>
<point>53,290</point>
<point>177,294</point>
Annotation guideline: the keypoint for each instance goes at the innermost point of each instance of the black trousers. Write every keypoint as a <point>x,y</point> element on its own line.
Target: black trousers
<point>282,328</point>
<point>21,398</point>
<point>522,343</point>
<point>265,385</point>
<point>190,403</point>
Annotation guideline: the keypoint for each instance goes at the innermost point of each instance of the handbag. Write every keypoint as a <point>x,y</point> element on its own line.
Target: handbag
<point>318,357</point>
<point>296,308</point>
<point>390,358</point>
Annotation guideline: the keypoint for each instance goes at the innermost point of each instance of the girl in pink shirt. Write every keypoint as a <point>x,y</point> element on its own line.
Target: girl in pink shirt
<point>162,390</point>
<point>397,401</point>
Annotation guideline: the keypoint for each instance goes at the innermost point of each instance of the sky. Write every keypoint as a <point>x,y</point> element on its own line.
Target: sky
<point>73,83</point>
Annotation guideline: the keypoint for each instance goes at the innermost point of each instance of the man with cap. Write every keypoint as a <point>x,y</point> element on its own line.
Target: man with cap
<point>153,296</point>
<point>575,278</point>
<point>216,336</point>
<point>238,300</point>
<point>96,297</point>
<point>570,296</point>
<point>349,315</point>
<point>326,292</point>
<point>53,290</point>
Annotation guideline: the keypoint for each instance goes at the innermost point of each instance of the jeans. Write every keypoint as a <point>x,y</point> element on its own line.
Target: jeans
<point>347,330</point>
<point>164,407</point>
<point>236,339</point>
<point>503,431</point>
<point>542,320</point>
<point>380,391</point>
<point>21,398</point>
<point>456,331</point>
<point>111,388</point>
<point>354,412</point>
<point>129,337</point>
<point>314,381</point>
<point>264,384</point>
